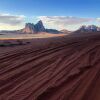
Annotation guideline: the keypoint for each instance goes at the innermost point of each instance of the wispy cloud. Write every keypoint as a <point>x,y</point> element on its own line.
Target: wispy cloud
<point>66,20</point>
<point>11,19</point>
<point>63,21</point>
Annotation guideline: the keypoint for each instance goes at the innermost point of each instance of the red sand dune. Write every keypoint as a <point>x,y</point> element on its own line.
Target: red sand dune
<point>66,68</point>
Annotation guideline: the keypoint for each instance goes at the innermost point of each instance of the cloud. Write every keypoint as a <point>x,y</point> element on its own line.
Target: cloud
<point>13,20</point>
<point>63,21</point>
<point>98,19</point>
<point>9,21</point>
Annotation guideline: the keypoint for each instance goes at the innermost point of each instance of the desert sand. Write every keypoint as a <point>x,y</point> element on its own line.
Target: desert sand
<point>58,68</point>
<point>14,36</point>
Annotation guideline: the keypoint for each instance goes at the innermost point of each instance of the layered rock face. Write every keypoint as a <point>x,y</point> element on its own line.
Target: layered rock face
<point>31,28</point>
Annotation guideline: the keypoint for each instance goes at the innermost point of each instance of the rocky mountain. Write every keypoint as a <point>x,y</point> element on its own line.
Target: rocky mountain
<point>33,28</point>
<point>37,28</point>
<point>90,28</point>
<point>29,28</point>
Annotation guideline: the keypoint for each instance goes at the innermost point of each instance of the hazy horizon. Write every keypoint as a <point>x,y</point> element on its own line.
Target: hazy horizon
<point>55,14</point>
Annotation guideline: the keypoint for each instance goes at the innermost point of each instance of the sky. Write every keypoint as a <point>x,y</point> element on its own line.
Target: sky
<point>58,14</point>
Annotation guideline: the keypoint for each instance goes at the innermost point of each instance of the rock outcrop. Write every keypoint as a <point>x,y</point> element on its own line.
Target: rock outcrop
<point>38,28</point>
<point>29,28</point>
<point>90,28</point>
<point>33,28</point>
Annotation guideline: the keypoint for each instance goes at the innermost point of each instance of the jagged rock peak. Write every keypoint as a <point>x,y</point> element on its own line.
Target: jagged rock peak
<point>39,26</point>
<point>40,22</point>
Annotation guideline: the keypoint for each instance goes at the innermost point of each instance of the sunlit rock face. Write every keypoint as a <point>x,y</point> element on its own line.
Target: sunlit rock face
<point>33,28</point>
<point>29,28</point>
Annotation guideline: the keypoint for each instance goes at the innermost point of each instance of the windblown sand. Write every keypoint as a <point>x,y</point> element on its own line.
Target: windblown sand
<point>60,68</point>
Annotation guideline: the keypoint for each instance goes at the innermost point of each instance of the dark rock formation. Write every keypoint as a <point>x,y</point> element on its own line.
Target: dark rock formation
<point>53,31</point>
<point>39,27</point>
<point>90,28</point>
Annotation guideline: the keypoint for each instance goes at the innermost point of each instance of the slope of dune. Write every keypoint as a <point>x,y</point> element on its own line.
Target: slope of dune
<point>62,68</point>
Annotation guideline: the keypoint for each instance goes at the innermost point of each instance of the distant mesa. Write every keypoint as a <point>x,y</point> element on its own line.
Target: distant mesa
<point>89,28</point>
